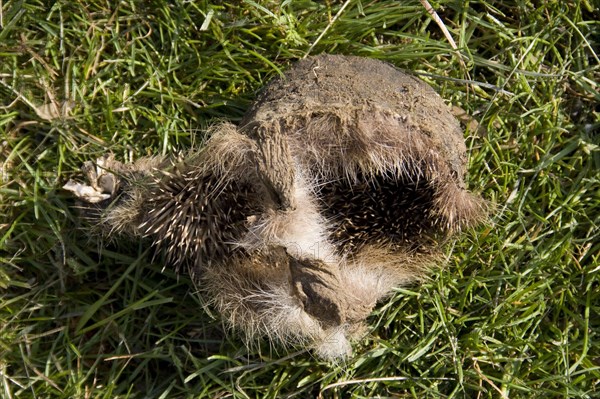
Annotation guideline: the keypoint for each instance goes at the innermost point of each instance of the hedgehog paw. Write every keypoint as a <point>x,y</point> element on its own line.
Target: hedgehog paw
<point>102,183</point>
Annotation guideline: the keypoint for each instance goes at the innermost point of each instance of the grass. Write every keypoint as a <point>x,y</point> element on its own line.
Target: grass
<point>516,312</point>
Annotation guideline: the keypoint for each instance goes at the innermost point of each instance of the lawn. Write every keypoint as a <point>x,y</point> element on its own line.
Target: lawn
<point>514,313</point>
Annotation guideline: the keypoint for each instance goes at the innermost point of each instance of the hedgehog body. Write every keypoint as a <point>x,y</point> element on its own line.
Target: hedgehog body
<point>339,184</point>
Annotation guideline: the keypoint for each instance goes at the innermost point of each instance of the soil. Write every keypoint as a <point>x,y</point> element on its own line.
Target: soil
<point>381,145</point>
<point>355,90</point>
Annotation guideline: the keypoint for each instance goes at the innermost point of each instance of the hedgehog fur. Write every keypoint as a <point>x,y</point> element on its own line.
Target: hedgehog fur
<point>341,182</point>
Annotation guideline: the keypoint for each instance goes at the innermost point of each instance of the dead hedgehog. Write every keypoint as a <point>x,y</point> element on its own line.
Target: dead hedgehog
<point>340,183</point>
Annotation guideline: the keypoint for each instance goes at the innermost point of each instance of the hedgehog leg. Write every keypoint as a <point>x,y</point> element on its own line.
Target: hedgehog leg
<point>113,197</point>
<point>269,293</point>
<point>102,183</point>
<point>274,163</point>
<point>320,288</point>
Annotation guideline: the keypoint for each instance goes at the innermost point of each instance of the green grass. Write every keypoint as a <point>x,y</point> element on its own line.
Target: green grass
<point>516,312</point>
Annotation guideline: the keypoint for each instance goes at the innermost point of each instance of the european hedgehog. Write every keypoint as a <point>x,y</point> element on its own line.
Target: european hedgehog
<point>341,182</point>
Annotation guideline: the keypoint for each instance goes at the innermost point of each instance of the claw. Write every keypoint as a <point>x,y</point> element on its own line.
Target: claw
<point>89,169</point>
<point>102,183</point>
<point>86,193</point>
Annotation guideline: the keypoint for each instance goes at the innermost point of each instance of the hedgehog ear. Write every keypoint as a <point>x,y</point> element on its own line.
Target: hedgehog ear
<point>274,163</point>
